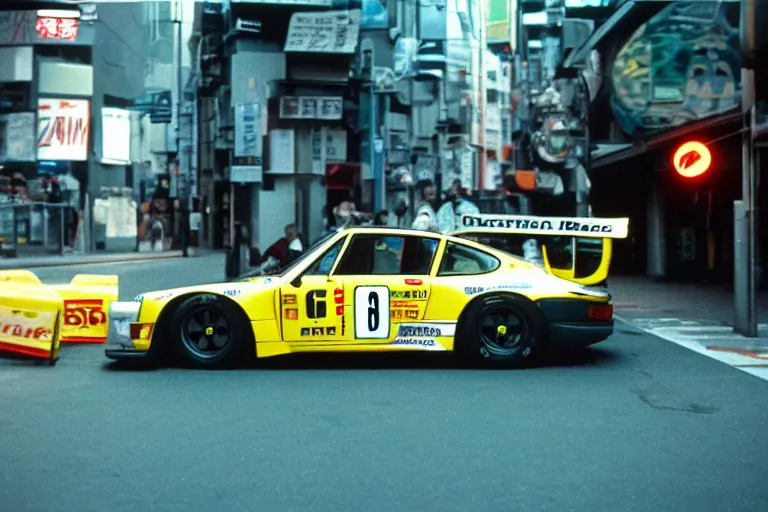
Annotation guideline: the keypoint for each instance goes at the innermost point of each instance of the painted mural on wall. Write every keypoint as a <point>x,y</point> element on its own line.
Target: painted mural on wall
<point>682,65</point>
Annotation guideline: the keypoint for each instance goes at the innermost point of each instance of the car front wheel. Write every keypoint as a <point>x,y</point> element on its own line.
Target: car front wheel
<point>210,332</point>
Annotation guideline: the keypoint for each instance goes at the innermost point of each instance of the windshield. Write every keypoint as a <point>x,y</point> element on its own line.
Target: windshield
<point>309,252</point>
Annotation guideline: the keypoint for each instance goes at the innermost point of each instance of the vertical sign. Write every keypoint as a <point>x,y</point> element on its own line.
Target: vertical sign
<point>247,165</point>
<point>248,141</point>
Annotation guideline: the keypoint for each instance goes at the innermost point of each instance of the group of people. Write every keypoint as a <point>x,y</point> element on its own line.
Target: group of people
<point>434,214</point>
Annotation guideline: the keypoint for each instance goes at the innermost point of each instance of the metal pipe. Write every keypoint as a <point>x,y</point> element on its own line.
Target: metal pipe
<point>483,160</point>
<point>180,92</point>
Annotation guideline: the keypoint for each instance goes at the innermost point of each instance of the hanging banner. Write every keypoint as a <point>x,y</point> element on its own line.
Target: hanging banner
<point>324,32</point>
<point>248,140</point>
<point>62,129</point>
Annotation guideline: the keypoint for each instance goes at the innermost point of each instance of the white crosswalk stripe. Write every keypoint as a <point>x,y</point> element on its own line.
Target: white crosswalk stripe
<point>712,339</point>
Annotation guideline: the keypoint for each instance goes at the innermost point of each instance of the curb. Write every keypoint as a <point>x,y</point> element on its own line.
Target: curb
<point>69,261</point>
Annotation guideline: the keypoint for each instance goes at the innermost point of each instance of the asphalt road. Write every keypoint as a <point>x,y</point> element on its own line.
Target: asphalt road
<point>635,424</point>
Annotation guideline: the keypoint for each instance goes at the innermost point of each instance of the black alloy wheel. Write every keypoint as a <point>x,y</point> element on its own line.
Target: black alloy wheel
<point>503,331</point>
<point>205,331</point>
<point>500,330</point>
<point>211,331</point>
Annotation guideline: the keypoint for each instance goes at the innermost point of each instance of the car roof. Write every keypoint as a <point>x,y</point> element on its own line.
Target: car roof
<point>391,230</point>
<point>432,234</point>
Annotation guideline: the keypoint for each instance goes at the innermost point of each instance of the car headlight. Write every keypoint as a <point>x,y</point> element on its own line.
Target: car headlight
<point>121,315</point>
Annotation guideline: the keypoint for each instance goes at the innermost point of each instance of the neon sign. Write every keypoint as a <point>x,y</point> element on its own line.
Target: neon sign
<point>692,159</point>
<point>57,28</point>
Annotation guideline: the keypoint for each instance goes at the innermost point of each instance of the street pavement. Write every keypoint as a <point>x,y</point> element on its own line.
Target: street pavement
<point>634,424</point>
<point>696,316</point>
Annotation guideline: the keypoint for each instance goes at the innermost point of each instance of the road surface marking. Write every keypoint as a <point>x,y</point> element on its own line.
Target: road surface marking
<point>715,341</point>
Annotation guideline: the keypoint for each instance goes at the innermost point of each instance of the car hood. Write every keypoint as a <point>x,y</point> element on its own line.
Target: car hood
<point>233,290</point>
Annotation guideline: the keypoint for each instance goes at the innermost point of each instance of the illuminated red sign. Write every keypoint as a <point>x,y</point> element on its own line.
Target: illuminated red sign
<point>692,159</point>
<point>57,28</point>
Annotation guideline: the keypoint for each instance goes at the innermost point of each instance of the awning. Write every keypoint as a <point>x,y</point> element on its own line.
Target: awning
<point>608,154</point>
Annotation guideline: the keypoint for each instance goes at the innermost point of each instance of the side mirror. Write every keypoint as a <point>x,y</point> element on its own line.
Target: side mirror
<point>296,283</point>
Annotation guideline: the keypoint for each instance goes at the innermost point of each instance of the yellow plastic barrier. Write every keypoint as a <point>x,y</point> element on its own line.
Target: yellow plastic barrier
<point>30,319</point>
<point>86,300</point>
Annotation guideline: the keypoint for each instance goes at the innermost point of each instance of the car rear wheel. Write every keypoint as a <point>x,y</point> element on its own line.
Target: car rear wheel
<point>210,332</point>
<point>500,330</point>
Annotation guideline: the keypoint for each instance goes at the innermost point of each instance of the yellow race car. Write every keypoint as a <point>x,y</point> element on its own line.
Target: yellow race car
<point>36,318</point>
<point>370,290</point>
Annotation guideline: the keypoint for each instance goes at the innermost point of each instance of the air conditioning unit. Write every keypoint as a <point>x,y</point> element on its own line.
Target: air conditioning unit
<point>252,27</point>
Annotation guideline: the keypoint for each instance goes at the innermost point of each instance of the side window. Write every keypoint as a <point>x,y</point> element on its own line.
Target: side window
<point>387,255</point>
<point>461,260</point>
<point>323,266</point>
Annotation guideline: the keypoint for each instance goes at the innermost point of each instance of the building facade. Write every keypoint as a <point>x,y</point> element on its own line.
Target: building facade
<point>629,83</point>
<point>348,100</point>
<point>66,105</point>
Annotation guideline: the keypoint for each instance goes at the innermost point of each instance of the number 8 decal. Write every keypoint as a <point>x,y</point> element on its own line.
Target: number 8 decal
<point>372,312</point>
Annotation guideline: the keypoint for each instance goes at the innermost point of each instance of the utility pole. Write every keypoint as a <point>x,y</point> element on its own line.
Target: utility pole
<point>745,311</point>
<point>184,239</point>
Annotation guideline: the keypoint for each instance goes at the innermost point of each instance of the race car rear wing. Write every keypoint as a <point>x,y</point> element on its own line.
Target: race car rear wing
<point>578,249</point>
<point>588,227</point>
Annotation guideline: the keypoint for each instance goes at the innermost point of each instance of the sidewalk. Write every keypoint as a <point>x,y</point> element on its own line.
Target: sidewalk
<point>696,316</point>
<point>643,296</point>
<point>91,259</point>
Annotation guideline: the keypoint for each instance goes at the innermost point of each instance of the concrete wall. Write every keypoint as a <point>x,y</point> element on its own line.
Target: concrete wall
<point>254,65</point>
<point>119,59</point>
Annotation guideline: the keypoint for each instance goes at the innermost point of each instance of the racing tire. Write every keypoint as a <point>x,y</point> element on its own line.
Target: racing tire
<point>500,331</point>
<point>209,331</point>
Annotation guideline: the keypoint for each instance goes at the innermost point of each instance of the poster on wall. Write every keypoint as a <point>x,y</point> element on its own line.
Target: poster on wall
<point>324,32</point>
<point>62,129</point>
<point>116,136</point>
<point>17,137</point>
<point>282,151</point>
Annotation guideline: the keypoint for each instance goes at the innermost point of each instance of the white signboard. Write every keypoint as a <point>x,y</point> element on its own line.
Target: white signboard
<point>324,32</point>
<point>328,146</point>
<point>311,107</point>
<point>282,152</point>
<point>115,136</point>
<point>335,145</point>
<point>246,174</point>
<point>63,127</point>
